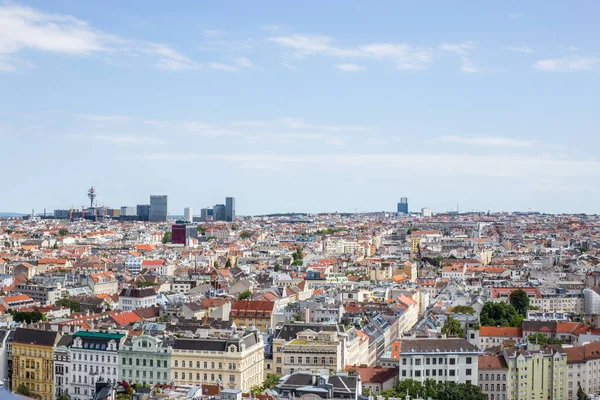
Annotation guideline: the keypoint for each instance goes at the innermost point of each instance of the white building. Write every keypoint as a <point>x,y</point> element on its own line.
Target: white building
<point>93,358</point>
<point>439,359</point>
<point>134,298</point>
<point>134,264</point>
<point>426,212</point>
<point>187,214</point>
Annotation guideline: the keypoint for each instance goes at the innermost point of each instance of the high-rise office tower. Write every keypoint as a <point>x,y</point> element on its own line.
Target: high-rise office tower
<point>187,214</point>
<point>219,212</point>
<point>204,214</point>
<point>158,208</point>
<point>403,205</point>
<point>143,212</point>
<point>128,211</point>
<point>230,209</point>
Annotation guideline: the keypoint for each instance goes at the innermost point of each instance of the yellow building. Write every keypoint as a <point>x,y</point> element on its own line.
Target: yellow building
<point>236,361</point>
<point>33,362</point>
<point>536,372</point>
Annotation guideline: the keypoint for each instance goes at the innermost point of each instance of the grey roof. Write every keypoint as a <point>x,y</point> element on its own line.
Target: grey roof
<point>34,336</point>
<point>215,344</point>
<point>436,345</point>
<point>289,331</point>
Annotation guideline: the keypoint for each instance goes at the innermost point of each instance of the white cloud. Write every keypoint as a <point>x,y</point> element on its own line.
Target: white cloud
<point>126,139</point>
<point>212,33</point>
<point>566,64</point>
<point>519,48</point>
<point>438,164</point>
<point>105,118</point>
<point>244,62</point>
<point>486,141</point>
<point>24,28</point>
<point>349,67</point>
<point>467,66</point>
<point>457,48</point>
<point>402,55</point>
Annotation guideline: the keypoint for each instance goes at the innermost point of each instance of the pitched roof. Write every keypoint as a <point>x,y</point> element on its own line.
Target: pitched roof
<point>436,345</point>
<point>491,362</point>
<point>487,331</point>
<point>374,374</point>
<point>35,337</point>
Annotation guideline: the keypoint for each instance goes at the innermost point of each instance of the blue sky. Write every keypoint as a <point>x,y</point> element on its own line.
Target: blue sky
<point>301,106</point>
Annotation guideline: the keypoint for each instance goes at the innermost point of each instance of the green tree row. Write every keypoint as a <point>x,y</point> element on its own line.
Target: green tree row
<point>434,390</point>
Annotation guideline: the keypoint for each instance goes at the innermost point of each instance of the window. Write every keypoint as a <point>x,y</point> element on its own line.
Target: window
<point>469,360</point>
<point>197,364</point>
<point>404,361</point>
<point>468,371</point>
<point>452,372</point>
<point>417,362</point>
<point>176,363</point>
<point>232,378</point>
<point>404,372</point>
<point>452,361</point>
<point>417,374</point>
<point>291,360</point>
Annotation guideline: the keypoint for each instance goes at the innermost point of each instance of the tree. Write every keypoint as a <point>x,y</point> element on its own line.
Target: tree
<point>234,227</point>
<point>540,339</point>
<point>462,310</point>
<point>228,263</point>
<point>63,232</point>
<point>64,396</point>
<point>452,327</point>
<point>434,390</point>
<point>271,380</point>
<point>245,234</point>
<point>167,237</point>
<point>201,229</point>
<point>520,301</point>
<point>581,394</point>
<point>277,266</point>
<point>23,390</point>
<point>55,246</point>
<point>216,264</point>
<point>246,294</point>
<point>503,314</point>
<point>298,262</point>
<point>74,305</point>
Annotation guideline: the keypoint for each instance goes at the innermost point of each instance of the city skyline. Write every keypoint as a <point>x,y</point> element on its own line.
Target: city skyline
<point>490,106</point>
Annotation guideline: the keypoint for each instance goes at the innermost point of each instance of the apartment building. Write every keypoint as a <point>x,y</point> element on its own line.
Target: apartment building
<point>313,351</point>
<point>62,365</point>
<point>103,283</point>
<point>234,360</point>
<point>145,359</point>
<point>93,358</point>
<point>134,298</point>
<point>248,313</point>
<point>33,361</point>
<point>536,373</point>
<point>583,369</point>
<point>494,336</point>
<point>45,295</point>
<point>439,359</point>
<point>493,373</point>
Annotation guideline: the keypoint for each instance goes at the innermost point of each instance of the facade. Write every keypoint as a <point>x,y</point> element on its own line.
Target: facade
<point>439,359</point>
<point>62,365</point>
<point>128,211</point>
<point>235,361</point>
<point>158,208</point>
<point>403,205</point>
<point>257,313</point>
<point>188,214</point>
<point>103,283</point>
<point>313,351</point>
<point>145,359</point>
<point>44,294</point>
<point>493,373</point>
<point>134,298</point>
<point>536,372</point>
<point>143,212</point>
<point>133,264</point>
<point>183,233</point>
<point>93,359</point>
<point>219,212</point>
<point>33,361</point>
<point>230,209</point>
<point>204,214</point>
<point>426,212</point>
<point>583,369</point>
<point>591,301</point>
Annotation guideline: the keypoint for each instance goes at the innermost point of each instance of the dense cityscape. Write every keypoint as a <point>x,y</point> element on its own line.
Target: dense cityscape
<point>114,303</point>
<point>299,200</point>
